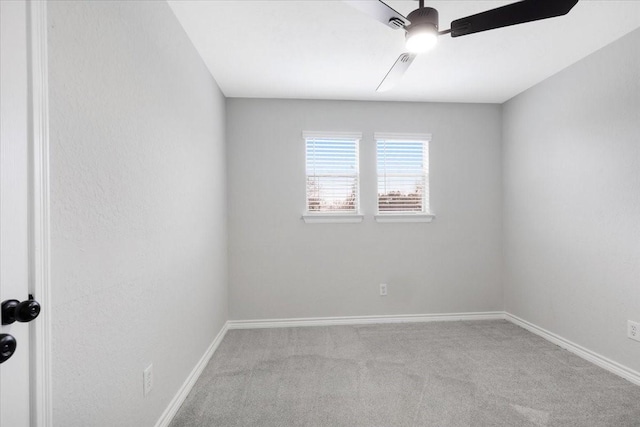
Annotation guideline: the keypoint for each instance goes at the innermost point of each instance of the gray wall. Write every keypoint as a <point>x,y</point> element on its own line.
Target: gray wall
<point>572,204</point>
<point>138,209</point>
<point>280,267</point>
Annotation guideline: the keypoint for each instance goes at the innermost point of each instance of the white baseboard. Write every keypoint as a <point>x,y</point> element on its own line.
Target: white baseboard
<point>362,320</point>
<point>183,392</point>
<point>593,357</point>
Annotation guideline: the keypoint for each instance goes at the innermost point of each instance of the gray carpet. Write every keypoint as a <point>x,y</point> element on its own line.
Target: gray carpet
<point>484,373</point>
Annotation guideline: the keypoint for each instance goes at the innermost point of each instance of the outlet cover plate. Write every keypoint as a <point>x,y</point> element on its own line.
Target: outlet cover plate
<point>383,289</point>
<point>147,378</point>
<point>633,330</point>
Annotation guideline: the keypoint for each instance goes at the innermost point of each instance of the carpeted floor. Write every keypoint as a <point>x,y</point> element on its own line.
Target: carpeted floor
<point>482,373</point>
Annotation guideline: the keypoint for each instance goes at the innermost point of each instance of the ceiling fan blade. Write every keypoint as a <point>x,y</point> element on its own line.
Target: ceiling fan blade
<point>511,14</point>
<point>396,72</point>
<point>381,12</point>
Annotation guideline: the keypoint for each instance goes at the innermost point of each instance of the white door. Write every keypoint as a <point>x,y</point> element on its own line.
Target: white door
<point>14,209</point>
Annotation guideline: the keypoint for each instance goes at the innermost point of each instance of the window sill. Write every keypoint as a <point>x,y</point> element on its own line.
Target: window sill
<point>404,217</point>
<point>332,218</point>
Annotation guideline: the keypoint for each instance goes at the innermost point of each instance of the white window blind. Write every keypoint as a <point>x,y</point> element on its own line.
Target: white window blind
<point>403,174</point>
<point>332,174</point>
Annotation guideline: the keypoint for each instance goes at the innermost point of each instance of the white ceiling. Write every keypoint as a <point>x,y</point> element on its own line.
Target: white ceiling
<point>316,49</point>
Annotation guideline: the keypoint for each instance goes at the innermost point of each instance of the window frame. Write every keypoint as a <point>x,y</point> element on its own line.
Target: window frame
<point>426,215</point>
<point>310,217</point>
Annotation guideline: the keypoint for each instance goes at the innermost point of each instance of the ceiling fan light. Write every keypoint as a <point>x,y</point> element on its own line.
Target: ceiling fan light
<point>421,41</point>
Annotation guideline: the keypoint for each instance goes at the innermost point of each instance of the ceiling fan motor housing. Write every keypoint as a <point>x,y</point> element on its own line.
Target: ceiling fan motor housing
<point>423,19</point>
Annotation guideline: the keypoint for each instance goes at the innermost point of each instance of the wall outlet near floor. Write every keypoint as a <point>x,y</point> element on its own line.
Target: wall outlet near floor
<point>147,378</point>
<point>383,289</point>
<point>633,330</point>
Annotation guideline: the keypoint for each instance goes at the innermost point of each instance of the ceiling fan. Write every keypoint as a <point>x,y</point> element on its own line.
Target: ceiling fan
<point>422,31</point>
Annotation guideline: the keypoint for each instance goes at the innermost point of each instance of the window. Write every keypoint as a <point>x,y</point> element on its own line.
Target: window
<point>332,177</point>
<point>403,177</point>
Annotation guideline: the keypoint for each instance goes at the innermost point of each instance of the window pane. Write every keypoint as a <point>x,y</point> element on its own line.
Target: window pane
<point>332,175</point>
<point>402,176</point>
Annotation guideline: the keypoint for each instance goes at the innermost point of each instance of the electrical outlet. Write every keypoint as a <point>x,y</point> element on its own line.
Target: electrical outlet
<point>147,378</point>
<point>633,330</point>
<point>383,289</point>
